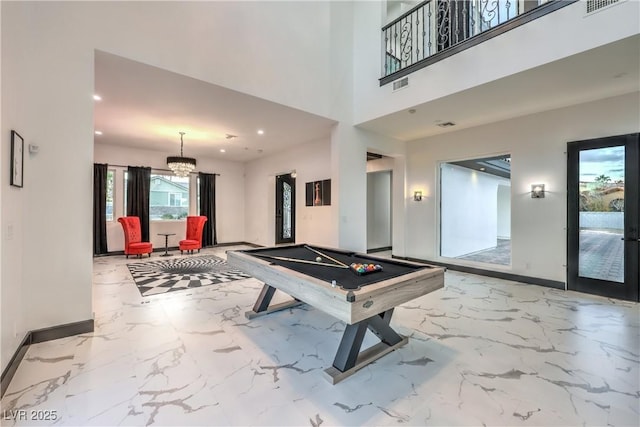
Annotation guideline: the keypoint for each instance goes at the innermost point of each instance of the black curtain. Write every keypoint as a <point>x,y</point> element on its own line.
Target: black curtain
<point>208,208</point>
<point>138,185</point>
<point>99,208</point>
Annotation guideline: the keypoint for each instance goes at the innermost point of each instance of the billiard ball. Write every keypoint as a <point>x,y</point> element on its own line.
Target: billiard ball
<point>318,259</point>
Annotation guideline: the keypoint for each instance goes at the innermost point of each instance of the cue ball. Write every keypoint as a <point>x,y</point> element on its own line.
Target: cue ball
<point>318,259</point>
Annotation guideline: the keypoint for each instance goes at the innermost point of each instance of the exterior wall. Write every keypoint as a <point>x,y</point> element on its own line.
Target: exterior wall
<point>504,211</point>
<point>537,144</point>
<point>469,204</point>
<point>562,33</point>
<point>602,220</point>
<point>47,81</point>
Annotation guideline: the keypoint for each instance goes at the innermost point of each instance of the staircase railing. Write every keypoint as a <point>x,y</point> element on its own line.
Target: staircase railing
<point>435,29</point>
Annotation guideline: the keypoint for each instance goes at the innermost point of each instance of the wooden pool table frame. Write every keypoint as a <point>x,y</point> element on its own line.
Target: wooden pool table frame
<point>369,307</point>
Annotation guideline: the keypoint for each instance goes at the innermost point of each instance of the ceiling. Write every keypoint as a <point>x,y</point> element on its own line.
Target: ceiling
<point>599,73</point>
<point>145,107</point>
<point>497,165</point>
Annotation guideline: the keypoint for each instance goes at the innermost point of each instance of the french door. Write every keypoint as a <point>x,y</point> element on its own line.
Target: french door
<point>603,224</point>
<point>285,209</point>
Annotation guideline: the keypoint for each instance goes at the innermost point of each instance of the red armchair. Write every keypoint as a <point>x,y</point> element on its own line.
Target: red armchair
<point>195,224</point>
<point>133,236</point>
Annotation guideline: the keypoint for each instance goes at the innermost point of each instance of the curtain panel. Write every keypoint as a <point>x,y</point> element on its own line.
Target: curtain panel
<point>100,208</point>
<point>208,208</point>
<point>138,186</point>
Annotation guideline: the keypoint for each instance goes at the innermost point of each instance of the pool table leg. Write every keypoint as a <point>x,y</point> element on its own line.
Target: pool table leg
<point>262,305</point>
<point>349,358</point>
<point>264,299</point>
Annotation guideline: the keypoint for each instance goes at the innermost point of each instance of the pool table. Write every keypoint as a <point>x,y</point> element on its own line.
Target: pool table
<point>324,278</point>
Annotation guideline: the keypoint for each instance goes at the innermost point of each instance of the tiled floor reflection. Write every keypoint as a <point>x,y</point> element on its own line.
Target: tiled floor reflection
<point>482,351</point>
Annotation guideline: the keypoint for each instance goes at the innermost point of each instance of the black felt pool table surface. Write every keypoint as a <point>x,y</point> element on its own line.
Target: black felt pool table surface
<point>344,277</point>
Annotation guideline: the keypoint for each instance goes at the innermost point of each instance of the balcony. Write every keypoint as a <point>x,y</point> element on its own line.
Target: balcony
<point>436,29</point>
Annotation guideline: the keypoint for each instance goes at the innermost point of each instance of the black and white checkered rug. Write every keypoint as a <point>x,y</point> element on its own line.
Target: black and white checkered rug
<point>158,277</point>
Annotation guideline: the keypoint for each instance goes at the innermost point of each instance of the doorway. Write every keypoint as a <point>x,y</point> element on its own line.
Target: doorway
<point>285,209</point>
<point>379,211</point>
<point>603,196</point>
<point>475,210</point>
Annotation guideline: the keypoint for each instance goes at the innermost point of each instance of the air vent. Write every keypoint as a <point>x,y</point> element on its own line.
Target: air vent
<point>399,84</point>
<point>446,124</point>
<point>593,5</point>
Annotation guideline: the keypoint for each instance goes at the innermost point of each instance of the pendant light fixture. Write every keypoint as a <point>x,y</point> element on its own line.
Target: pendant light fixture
<point>181,166</point>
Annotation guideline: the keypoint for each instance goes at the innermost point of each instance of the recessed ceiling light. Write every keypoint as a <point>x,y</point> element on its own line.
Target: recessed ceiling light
<point>97,98</point>
<point>260,132</point>
<point>412,111</point>
<point>98,132</point>
<point>222,150</point>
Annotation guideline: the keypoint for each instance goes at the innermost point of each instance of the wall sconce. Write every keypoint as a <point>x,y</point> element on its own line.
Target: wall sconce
<point>537,191</point>
<point>294,173</point>
<point>417,196</point>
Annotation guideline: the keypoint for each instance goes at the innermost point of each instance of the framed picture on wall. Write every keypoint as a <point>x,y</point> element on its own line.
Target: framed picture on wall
<point>17,159</point>
<point>318,193</point>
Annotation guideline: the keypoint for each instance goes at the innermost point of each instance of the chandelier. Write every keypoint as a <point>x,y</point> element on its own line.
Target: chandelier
<point>181,166</point>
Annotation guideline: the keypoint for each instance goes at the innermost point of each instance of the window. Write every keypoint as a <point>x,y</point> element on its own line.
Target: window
<point>475,210</point>
<point>175,199</point>
<point>110,177</point>
<point>168,197</point>
<point>198,195</point>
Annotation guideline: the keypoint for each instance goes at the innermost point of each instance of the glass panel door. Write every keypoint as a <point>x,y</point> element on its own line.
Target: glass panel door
<point>603,205</point>
<point>285,209</point>
<point>601,217</point>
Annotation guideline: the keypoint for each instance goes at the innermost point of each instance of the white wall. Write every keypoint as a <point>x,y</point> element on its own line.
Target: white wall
<point>349,146</point>
<point>229,195</point>
<point>47,83</point>
<point>565,32</point>
<point>504,211</point>
<point>378,209</point>
<point>312,162</point>
<point>537,144</point>
<point>469,210</point>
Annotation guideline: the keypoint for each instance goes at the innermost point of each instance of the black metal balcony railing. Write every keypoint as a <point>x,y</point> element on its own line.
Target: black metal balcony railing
<point>435,29</point>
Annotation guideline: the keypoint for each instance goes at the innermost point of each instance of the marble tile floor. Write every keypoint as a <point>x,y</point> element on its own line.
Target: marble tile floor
<point>482,351</point>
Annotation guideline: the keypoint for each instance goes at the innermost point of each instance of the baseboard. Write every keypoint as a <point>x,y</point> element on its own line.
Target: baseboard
<point>491,273</point>
<point>218,245</point>
<point>374,250</point>
<point>12,367</point>
<point>175,248</point>
<point>62,331</point>
<point>38,336</point>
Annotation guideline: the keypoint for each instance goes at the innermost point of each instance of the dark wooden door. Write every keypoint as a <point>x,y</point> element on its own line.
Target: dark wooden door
<point>285,209</point>
<point>603,225</point>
